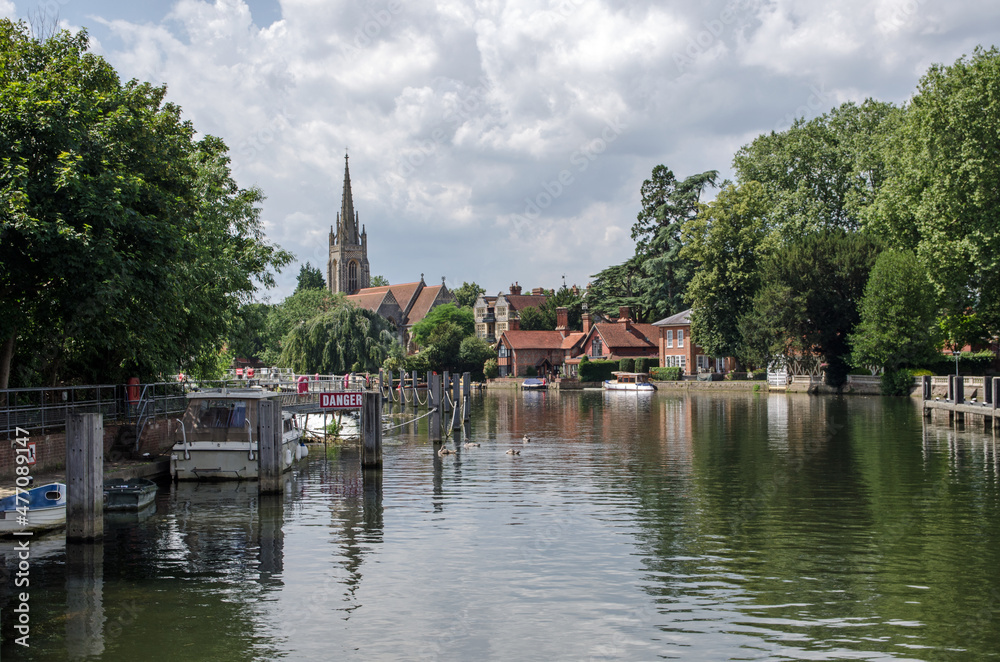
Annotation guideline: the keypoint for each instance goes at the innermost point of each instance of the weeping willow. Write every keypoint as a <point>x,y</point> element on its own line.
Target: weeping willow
<point>334,341</point>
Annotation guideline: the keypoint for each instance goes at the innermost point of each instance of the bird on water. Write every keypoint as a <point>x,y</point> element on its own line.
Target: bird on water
<point>525,439</point>
<point>511,451</point>
<point>472,444</point>
<point>445,451</point>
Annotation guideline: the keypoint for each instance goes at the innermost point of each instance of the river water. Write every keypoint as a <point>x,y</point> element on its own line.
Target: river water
<point>739,526</point>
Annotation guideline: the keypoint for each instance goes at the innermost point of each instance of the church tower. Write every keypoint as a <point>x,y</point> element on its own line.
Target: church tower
<point>347,269</point>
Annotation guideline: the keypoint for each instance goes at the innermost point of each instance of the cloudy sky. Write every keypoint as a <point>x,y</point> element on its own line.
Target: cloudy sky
<point>503,140</point>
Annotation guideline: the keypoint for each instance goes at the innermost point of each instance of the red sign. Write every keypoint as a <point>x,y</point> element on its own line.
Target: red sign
<point>349,400</point>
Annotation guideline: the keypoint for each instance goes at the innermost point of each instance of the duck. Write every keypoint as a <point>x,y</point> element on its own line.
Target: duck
<point>472,444</point>
<point>446,451</point>
<point>525,439</point>
<point>511,451</point>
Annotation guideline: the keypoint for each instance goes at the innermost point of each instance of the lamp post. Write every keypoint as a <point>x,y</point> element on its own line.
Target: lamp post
<point>956,354</point>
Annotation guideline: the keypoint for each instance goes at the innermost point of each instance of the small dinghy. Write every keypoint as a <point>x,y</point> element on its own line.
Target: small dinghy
<point>37,509</point>
<point>132,494</point>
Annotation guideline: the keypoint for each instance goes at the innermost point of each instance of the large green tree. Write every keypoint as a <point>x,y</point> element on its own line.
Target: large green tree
<point>466,295</point>
<point>294,311</point>
<point>422,333</point>
<point>334,341</point>
<point>941,197</point>
<point>125,246</point>
<point>896,315</point>
<point>310,278</point>
<point>809,299</point>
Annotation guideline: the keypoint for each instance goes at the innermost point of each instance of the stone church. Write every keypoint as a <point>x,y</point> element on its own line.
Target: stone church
<point>347,270</point>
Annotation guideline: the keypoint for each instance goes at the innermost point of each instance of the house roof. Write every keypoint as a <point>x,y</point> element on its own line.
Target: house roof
<point>638,336</point>
<point>372,300</point>
<point>532,339</point>
<point>522,301</point>
<point>683,317</point>
<point>570,341</point>
<point>423,304</point>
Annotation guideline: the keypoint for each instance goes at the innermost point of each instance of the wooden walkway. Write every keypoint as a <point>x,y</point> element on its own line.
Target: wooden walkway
<point>986,406</point>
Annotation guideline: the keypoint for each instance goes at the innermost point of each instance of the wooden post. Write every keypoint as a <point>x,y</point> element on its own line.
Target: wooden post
<point>959,390</point>
<point>456,389</point>
<point>466,384</point>
<point>927,386</point>
<point>371,431</point>
<point>389,380</point>
<point>445,387</point>
<point>987,390</point>
<point>434,395</point>
<point>995,385</point>
<point>84,477</point>
<point>951,387</point>
<point>456,418</point>
<point>413,383</point>
<point>430,391</point>
<point>269,447</point>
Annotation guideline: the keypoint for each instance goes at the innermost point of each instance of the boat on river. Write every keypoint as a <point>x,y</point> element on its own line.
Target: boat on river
<point>629,381</point>
<point>38,509</point>
<point>533,384</point>
<point>133,494</point>
<point>219,435</point>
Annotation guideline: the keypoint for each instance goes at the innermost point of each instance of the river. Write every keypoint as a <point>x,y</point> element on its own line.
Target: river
<point>713,526</point>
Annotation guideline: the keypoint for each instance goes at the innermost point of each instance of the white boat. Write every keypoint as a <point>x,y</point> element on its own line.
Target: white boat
<point>629,381</point>
<point>218,437</point>
<point>37,509</point>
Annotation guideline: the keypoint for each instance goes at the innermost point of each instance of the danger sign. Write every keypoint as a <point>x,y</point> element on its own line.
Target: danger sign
<point>350,400</point>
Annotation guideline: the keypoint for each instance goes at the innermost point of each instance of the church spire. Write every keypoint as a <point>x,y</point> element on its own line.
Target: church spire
<point>348,230</point>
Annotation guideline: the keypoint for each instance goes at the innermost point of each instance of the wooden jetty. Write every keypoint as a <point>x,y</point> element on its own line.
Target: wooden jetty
<point>957,406</point>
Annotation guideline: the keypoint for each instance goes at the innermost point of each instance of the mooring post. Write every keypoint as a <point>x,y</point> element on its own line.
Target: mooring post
<point>456,418</point>
<point>429,398</point>
<point>466,397</point>
<point>959,389</point>
<point>413,383</point>
<point>456,390</point>
<point>927,386</point>
<point>445,387</point>
<point>84,477</point>
<point>434,395</point>
<point>371,431</point>
<point>269,435</point>
<point>995,386</point>
<point>988,390</point>
<point>951,387</point>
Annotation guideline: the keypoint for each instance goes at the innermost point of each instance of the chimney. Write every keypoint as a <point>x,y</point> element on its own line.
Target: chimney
<point>562,321</point>
<point>514,325</point>
<point>538,291</point>
<point>586,322</point>
<point>625,316</point>
<point>515,289</point>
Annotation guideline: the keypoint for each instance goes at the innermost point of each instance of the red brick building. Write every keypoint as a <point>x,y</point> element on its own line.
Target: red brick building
<point>545,351</point>
<point>677,347</point>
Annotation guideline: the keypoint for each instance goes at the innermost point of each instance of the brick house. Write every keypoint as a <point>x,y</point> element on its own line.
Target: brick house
<point>404,305</point>
<point>545,351</point>
<point>677,347</point>
<point>495,315</point>
<point>621,339</point>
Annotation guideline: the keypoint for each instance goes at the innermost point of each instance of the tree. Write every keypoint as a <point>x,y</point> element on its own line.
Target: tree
<point>466,295</point>
<point>378,281</point>
<point>334,341</point>
<point>663,274</point>
<point>730,238</point>
<point>310,278</point>
<point>474,353</point>
<point>125,247</point>
<point>423,331</point>
<point>616,286</point>
<point>809,299</point>
<point>896,315</point>
<point>940,198</point>
<point>294,311</point>
<point>536,318</point>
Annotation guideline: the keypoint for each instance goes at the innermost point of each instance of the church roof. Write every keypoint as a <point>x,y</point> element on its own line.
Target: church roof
<point>372,300</point>
<point>348,230</point>
<point>423,304</point>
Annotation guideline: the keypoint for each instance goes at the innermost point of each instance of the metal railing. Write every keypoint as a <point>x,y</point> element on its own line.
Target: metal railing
<point>36,409</point>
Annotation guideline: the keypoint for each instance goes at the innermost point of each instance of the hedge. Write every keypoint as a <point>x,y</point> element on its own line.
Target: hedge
<point>626,365</point>
<point>597,371</point>
<point>642,365</point>
<point>672,373</point>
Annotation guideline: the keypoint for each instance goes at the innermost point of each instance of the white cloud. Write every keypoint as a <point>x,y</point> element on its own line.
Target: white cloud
<point>459,114</point>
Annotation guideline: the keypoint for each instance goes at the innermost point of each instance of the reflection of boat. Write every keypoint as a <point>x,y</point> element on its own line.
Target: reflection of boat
<point>133,494</point>
<point>534,384</point>
<point>125,517</point>
<point>37,509</point>
<point>629,381</point>
<point>219,436</point>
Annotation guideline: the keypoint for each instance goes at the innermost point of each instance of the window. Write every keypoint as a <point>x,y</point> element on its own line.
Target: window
<point>703,363</point>
<point>502,351</point>
<point>352,277</point>
<point>680,337</point>
<point>596,347</point>
<point>674,361</point>
<point>670,338</point>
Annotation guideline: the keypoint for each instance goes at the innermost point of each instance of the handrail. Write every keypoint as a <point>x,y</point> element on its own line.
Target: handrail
<point>187,452</point>
<point>249,436</point>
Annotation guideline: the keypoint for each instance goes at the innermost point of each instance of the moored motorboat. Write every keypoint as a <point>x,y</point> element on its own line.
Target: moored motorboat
<point>534,384</point>
<point>629,381</point>
<point>132,494</point>
<point>219,435</point>
<point>37,509</point>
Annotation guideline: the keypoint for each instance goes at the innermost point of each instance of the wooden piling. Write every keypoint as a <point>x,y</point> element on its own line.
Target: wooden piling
<point>371,431</point>
<point>959,390</point>
<point>84,477</point>
<point>445,388</point>
<point>926,380</point>
<point>269,435</point>
<point>456,390</point>
<point>413,383</point>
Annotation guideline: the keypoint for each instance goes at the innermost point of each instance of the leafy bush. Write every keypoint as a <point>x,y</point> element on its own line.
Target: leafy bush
<point>760,373</point>
<point>642,365</point>
<point>626,365</point>
<point>969,363</point>
<point>921,373</point>
<point>490,369</point>
<point>897,382</point>
<point>672,373</point>
<point>597,371</point>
